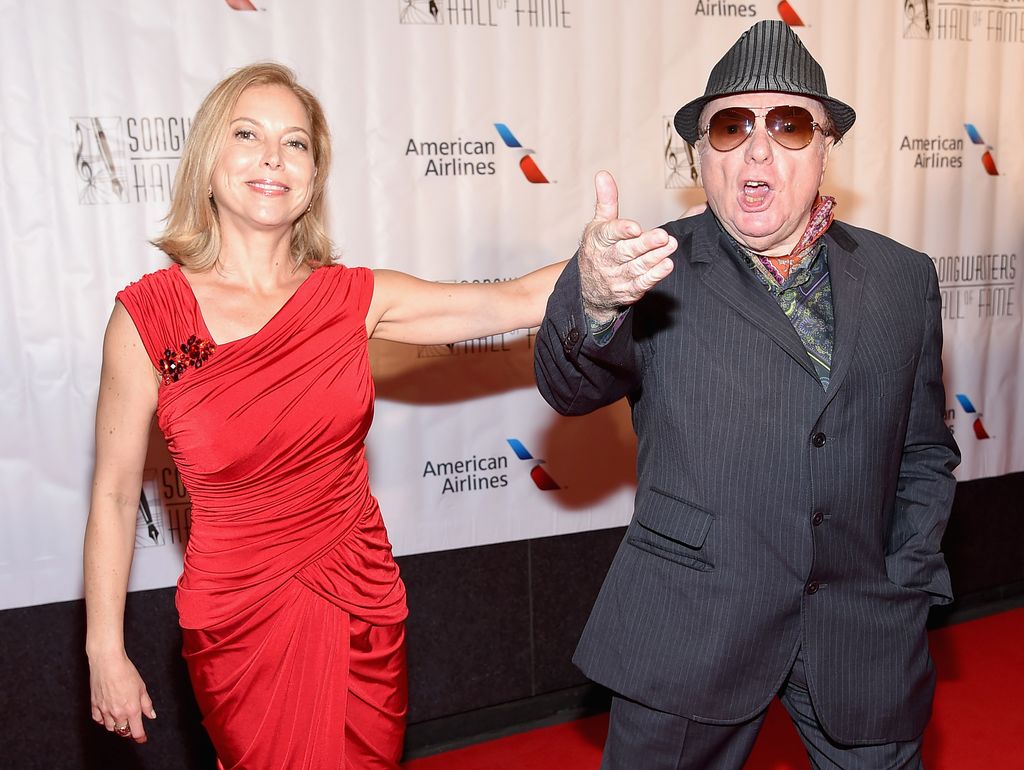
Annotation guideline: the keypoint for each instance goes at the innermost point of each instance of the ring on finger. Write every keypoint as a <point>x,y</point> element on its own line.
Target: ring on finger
<point>123,730</point>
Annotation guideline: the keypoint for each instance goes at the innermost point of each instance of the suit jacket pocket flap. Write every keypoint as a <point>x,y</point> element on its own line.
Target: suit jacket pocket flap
<point>674,518</point>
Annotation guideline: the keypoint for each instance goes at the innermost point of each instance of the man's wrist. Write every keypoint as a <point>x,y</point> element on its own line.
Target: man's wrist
<point>601,329</point>
<point>600,316</point>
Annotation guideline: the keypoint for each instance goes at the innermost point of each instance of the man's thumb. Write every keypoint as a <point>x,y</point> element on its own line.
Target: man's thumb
<point>607,205</point>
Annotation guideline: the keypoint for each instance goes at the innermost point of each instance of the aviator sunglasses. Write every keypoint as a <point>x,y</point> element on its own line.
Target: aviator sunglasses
<point>791,127</point>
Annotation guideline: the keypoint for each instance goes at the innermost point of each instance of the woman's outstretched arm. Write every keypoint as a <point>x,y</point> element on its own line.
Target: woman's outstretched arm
<point>408,309</point>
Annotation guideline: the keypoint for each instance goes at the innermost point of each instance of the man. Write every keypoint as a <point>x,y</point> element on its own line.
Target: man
<point>794,469</point>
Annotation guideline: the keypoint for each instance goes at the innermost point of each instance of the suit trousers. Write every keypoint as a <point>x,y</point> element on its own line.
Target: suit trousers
<point>642,737</point>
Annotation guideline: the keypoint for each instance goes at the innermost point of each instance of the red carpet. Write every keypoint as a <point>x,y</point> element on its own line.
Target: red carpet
<point>978,722</point>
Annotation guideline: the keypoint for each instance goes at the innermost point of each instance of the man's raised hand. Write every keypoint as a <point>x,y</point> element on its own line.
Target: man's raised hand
<point>619,262</point>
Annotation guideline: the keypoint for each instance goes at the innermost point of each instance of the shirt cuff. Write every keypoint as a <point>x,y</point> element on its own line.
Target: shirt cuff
<point>602,332</point>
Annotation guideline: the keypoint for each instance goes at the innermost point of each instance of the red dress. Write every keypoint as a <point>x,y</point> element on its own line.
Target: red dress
<point>290,602</point>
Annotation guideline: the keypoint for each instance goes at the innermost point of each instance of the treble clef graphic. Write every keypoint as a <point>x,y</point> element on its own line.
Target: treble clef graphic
<point>671,159</point>
<point>83,164</point>
<point>916,15</point>
<point>673,162</point>
<point>84,169</point>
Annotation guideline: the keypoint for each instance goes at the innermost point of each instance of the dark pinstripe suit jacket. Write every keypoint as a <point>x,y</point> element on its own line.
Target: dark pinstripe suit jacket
<point>770,514</point>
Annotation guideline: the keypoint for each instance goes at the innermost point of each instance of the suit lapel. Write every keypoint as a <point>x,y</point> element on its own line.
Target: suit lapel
<point>738,288</point>
<point>847,273</point>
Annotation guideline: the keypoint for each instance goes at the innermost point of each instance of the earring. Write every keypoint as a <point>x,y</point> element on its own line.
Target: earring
<point>209,192</point>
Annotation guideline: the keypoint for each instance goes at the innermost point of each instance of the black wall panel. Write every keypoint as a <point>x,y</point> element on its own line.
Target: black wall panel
<point>491,632</point>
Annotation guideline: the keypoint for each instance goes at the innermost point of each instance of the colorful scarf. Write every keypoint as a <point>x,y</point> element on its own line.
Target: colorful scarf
<point>778,269</point>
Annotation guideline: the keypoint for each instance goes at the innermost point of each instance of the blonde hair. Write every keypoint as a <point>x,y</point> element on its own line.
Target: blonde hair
<point>191,236</point>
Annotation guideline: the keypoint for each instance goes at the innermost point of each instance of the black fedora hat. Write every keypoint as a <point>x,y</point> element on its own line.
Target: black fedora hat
<point>767,57</point>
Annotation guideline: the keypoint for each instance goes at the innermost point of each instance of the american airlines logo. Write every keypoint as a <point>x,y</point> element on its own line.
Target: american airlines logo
<point>527,164</point>
<point>541,478</point>
<point>987,161</point>
<point>968,406</point>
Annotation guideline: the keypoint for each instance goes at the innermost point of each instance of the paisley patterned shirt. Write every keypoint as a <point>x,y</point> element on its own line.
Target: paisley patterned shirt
<point>806,299</point>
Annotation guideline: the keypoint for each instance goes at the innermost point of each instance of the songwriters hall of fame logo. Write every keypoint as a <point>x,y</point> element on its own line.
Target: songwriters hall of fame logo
<point>164,513</point>
<point>420,12</point>
<point>681,169</point>
<point>917,19</point>
<point>522,14</point>
<point>127,159</point>
<point>964,21</point>
<point>100,161</point>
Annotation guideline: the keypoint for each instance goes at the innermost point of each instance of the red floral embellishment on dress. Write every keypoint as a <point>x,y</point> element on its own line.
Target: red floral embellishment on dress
<point>193,352</point>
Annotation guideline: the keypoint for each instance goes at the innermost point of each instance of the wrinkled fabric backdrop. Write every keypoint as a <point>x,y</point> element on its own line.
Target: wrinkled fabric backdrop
<point>466,137</point>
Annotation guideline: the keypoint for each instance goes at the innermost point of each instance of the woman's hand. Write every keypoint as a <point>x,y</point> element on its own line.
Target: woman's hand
<point>119,696</point>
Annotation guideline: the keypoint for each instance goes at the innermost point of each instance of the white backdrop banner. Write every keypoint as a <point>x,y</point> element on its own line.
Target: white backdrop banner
<point>466,135</point>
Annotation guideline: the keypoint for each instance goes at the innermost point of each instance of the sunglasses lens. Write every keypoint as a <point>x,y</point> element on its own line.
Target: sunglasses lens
<point>792,127</point>
<point>729,128</point>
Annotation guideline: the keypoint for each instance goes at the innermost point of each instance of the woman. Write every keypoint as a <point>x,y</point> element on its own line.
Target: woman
<point>251,350</point>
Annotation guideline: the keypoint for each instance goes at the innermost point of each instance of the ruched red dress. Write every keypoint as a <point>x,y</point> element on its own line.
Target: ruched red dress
<point>290,603</point>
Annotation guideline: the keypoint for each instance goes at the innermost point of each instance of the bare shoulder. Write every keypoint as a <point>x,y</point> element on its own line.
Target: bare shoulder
<point>123,351</point>
<point>121,328</point>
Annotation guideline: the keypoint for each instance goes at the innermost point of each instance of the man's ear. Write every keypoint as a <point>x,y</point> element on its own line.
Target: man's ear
<point>826,152</point>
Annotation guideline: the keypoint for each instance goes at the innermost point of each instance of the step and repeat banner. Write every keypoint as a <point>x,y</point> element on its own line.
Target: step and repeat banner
<point>466,136</point>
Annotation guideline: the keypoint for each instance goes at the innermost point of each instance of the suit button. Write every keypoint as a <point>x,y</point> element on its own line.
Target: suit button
<point>818,439</point>
<point>817,517</point>
<point>572,338</point>
<point>812,588</point>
